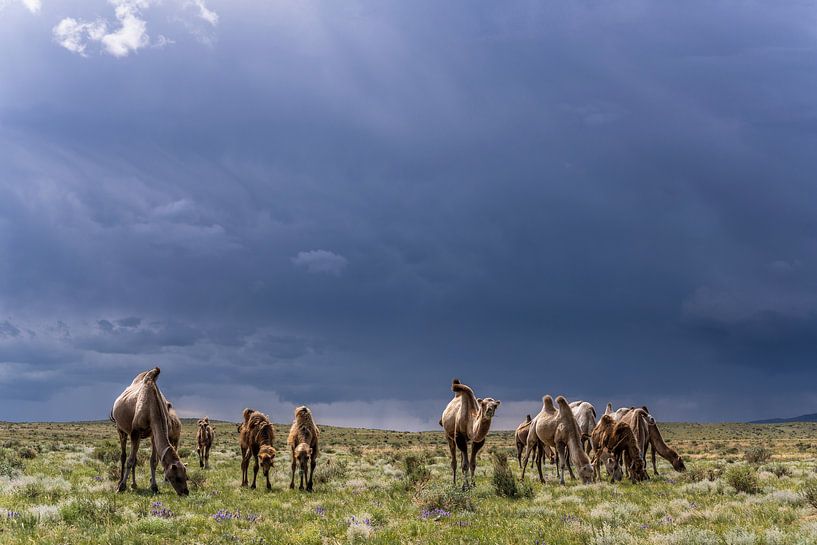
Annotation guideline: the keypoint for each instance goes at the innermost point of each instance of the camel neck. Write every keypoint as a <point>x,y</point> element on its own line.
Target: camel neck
<point>481,427</point>
<point>658,441</point>
<point>158,420</point>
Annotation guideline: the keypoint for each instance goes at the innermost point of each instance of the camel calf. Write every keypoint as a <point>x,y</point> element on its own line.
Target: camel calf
<point>256,436</point>
<point>204,441</point>
<point>303,442</point>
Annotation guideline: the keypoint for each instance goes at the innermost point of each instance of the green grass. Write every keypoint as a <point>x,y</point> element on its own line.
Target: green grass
<point>57,481</point>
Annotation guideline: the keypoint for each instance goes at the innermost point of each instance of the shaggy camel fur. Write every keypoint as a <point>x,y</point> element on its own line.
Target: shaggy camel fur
<point>141,411</point>
<point>255,439</point>
<point>585,414</point>
<point>560,431</point>
<point>204,441</point>
<point>615,439</point>
<point>639,420</point>
<point>466,419</point>
<point>303,443</point>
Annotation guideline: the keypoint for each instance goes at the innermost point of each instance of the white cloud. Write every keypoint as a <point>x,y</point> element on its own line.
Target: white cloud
<point>33,6</point>
<point>204,13</point>
<point>320,261</point>
<point>74,35</point>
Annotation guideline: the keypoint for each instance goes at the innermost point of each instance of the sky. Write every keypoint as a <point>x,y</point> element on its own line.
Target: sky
<point>348,204</point>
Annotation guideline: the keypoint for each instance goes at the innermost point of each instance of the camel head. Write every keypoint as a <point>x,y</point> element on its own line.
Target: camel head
<point>637,471</point>
<point>303,456</point>
<point>678,464</point>
<point>488,407</point>
<point>611,465</point>
<point>586,473</point>
<point>266,457</point>
<point>176,475</point>
<point>302,411</point>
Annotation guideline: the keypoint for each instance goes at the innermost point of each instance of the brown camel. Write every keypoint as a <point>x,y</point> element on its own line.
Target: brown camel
<point>599,437</point>
<point>618,441</point>
<point>255,439</point>
<point>466,419</point>
<point>657,444</point>
<point>141,411</point>
<point>303,443</point>
<point>542,450</point>
<point>639,420</point>
<point>559,430</point>
<point>204,441</point>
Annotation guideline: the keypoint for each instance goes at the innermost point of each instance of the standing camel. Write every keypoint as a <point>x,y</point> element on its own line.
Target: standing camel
<point>585,415</point>
<point>559,430</point>
<point>465,420</point>
<point>303,444</point>
<point>204,441</point>
<point>141,411</point>
<point>256,436</point>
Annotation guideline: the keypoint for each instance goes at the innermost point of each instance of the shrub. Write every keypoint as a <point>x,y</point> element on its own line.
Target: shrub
<point>28,453</point>
<point>184,452</point>
<point>809,492</point>
<point>107,452</point>
<point>86,511</point>
<point>505,484</point>
<point>779,470</point>
<point>10,463</point>
<point>449,498</point>
<point>332,470</point>
<point>742,478</point>
<point>415,470</point>
<point>757,454</point>
<point>197,478</point>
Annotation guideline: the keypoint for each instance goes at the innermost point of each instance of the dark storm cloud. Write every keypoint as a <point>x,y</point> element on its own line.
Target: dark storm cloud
<point>347,204</point>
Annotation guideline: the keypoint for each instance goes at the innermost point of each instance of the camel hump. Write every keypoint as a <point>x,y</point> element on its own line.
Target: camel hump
<point>562,402</point>
<point>153,374</point>
<point>247,412</point>
<point>458,387</point>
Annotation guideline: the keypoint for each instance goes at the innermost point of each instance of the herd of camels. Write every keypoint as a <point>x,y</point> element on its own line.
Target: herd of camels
<point>567,433</point>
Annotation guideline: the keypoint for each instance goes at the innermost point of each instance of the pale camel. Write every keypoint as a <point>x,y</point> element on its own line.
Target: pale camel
<point>255,439</point>
<point>536,446</point>
<point>303,444</point>
<point>141,411</point>
<point>204,441</point>
<point>585,414</point>
<point>560,431</point>
<point>521,438</point>
<point>465,420</point>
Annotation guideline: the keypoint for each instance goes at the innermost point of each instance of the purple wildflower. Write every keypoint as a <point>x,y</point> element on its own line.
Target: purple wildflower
<point>320,511</point>
<point>434,514</point>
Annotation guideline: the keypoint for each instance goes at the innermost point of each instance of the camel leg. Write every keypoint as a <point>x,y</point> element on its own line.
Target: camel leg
<point>200,452</point>
<point>312,464</point>
<point>292,480</point>
<point>254,471</point>
<point>301,481</point>
<point>525,463</point>
<point>538,455</point>
<point>245,465</point>
<point>453,448</point>
<point>561,452</point>
<point>154,459</point>
<point>207,458</point>
<point>462,445</point>
<point>570,466</point>
<point>475,448</point>
<point>131,463</point>
<point>654,466</point>
<point>519,447</point>
<point>123,444</point>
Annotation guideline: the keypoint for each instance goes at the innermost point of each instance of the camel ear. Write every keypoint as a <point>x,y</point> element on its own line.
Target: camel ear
<point>498,403</point>
<point>479,400</point>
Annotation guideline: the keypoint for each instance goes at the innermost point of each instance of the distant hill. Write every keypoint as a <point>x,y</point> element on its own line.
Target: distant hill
<point>801,418</point>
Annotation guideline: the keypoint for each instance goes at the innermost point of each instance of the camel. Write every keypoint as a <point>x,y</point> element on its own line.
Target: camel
<point>255,439</point>
<point>204,441</point>
<point>585,415</point>
<point>303,442</point>
<point>521,438</point>
<point>466,419</point>
<point>560,431</point>
<point>537,447</point>
<point>639,420</point>
<point>141,411</point>
<point>657,444</point>
<point>611,441</point>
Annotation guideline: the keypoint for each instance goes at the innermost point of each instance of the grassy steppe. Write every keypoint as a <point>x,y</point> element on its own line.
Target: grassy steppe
<point>57,482</point>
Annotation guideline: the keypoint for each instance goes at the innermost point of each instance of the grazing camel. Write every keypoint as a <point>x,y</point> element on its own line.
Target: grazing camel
<point>255,439</point>
<point>141,411</point>
<point>599,437</point>
<point>466,419</point>
<point>657,444</point>
<point>303,443</point>
<point>585,415</point>
<point>639,420</point>
<point>204,441</point>
<point>559,430</point>
<point>618,441</point>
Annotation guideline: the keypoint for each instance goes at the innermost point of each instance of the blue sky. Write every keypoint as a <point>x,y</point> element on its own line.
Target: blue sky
<point>346,204</point>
